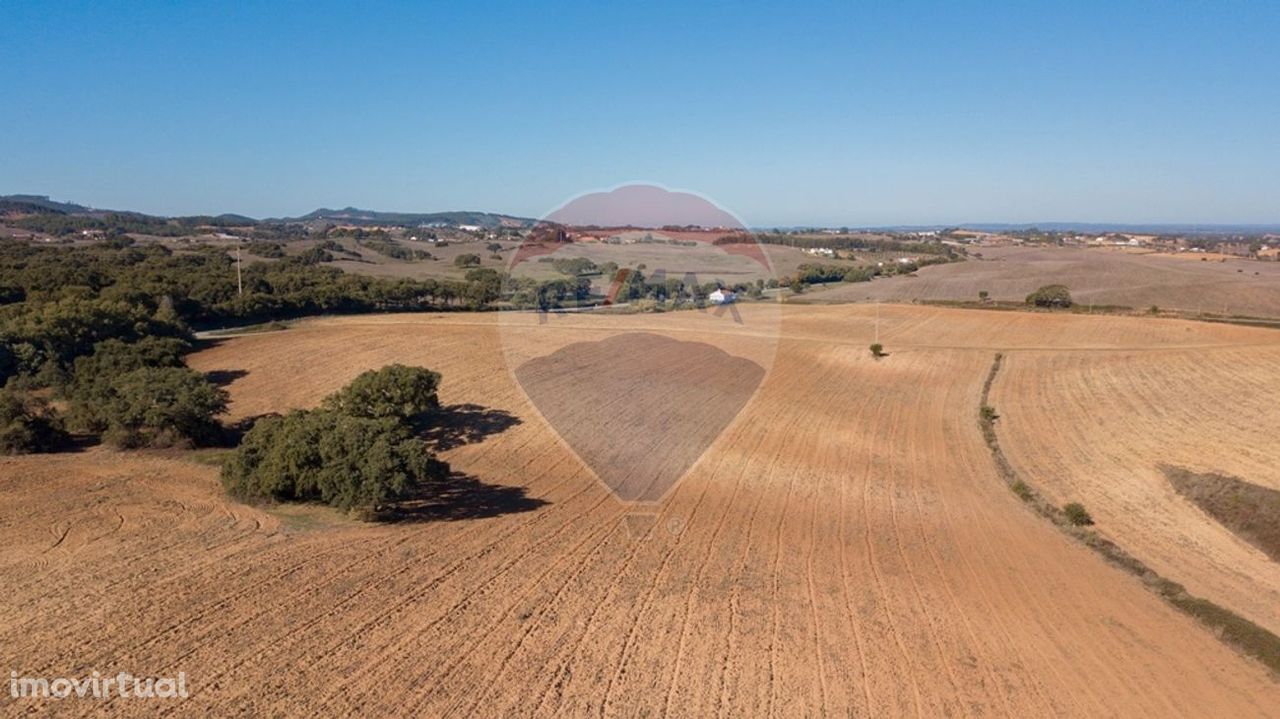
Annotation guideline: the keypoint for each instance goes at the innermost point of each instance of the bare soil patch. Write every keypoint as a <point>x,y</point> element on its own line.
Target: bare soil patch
<point>1251,511</point>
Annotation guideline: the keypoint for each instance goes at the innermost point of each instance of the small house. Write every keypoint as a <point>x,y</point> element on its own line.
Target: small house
<point>721,296</point>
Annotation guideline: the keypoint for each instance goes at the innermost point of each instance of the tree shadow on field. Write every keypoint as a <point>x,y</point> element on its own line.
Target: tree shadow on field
<point>232,434</point>
<point>224,377</point>
<point>458,424</point>
<point>460,496</point>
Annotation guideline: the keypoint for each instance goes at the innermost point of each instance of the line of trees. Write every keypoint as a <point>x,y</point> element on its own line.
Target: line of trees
<point>121,223</point>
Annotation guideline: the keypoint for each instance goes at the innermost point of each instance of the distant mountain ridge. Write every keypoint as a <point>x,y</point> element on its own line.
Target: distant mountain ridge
<point>38,204</point>
<point>43,205</point>
<point>357,216</point>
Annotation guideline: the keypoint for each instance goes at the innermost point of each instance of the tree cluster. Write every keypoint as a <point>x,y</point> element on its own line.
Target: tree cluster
<point>1051,296</point>
<point>357,452</point>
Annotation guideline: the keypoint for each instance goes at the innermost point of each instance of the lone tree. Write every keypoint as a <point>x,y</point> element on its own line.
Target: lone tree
<point>983,295</point>
<point>877,350</point>
<point>467,260</point>
<point>1050,296</point>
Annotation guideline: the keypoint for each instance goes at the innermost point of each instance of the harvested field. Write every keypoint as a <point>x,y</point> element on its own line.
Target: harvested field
<point>844,547</point>
<point>1097,276</point>
<point>1098,428</point>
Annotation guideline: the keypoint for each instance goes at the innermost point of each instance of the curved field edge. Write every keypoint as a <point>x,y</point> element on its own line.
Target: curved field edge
<point>1234,630</point>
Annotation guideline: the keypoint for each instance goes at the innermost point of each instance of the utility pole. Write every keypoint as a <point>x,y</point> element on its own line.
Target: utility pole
<point>239,281</point>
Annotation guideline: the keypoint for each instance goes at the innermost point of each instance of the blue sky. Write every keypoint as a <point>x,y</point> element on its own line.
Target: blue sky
<point>841,113</point>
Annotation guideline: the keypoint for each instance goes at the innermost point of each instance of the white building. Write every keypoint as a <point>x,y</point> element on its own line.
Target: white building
<point>721,296</point>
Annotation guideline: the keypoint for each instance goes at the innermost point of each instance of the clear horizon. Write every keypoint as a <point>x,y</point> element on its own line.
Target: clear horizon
<point>826,115</point>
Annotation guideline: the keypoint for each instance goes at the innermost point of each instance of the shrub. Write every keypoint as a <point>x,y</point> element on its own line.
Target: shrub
<point>877,350</point>
<point>325,456</point>
<point>1077,514</point>
<point>983,295</point>
<point>159,406</point>
<point>27,424</point>
<point>395,391</point>
<point>467,260</point>
<point>1023,491</point>
<point>988,413</point>
<point>1050,296</point>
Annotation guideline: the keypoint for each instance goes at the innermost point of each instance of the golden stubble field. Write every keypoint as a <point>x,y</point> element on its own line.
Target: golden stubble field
<point>844,547</point>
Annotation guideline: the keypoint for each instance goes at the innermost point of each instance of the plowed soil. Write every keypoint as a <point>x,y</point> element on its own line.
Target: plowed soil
<point>844,547</point>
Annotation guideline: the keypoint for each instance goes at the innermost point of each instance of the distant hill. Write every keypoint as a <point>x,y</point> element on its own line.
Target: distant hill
<point>356,216</point>
<point>42,205</point>
<point>39,204</point>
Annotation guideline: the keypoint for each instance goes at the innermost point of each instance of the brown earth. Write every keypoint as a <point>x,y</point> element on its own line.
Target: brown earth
<point>1094,275</point>
<point>844,547</point>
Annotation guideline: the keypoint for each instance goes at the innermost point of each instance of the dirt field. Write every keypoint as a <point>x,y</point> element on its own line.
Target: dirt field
<point>1098,431</point>
<point>845,547</point>
<point>1098,276</point>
